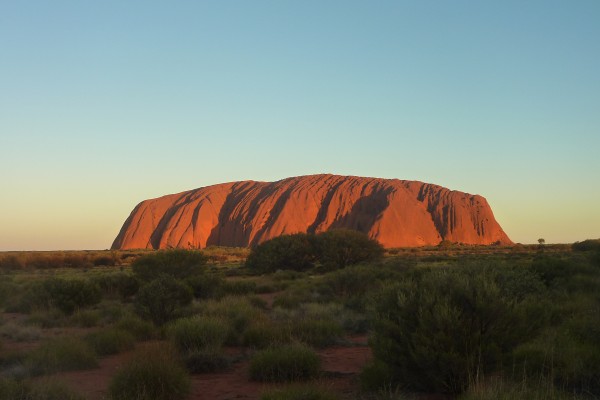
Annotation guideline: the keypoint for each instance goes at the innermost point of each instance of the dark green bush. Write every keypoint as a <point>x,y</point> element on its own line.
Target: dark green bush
<point>162,299</point>
<point>179,264</point>
<point>140,329</point>
<point>339,248</point>
<point>110,341</point>
<point>207,286</point>
<point>297,392</point>
<point>208,359</point>
<point>119,284</point>
<point>294,252</point>
<point>152,374</point>
<point>439,330</point>
<point>44,389</point>
<point>61,354</point>
<point>190,334</point>
<point>332,250</point>
<point>587,245</point>
<point>287,363</point>
<point>69,295</point>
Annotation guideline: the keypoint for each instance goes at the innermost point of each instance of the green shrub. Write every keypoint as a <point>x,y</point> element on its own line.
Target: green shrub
<point>196,333</point>
<point>86,318</point>
<point>334,249</point>
<point>316,332</point>
<point>179,264</point>
<point>161,299</point>
<point>285,364</point>
<point>587,245</point>
<point>45,389</point>
<point>207,286</point>
<point>297,392</point>
<point>140,329</point>
<point>19,333</point>
<point>239,288</point>
<point>238,311</point>
<point>294,252</point>
<point>499,389</point>
<point>110,341</point>
<point>152,374</point>
<point>61,354</point>
<point>69,295</point>
<point>439,330</point>
<point>339,248</point>
<point>264,333</point>
<point>207,359</point>
<point>119,284</point>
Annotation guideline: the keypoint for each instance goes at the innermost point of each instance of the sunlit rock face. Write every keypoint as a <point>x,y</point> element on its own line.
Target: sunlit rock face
<point>397,213</point>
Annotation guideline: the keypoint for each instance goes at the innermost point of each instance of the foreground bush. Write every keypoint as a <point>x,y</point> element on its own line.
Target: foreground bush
<point>179,264</point>
<point>296,392</point>
<point>285,364</point>
<point>69,295</point>
<point>196,333</point>
<point>62,354</point>
<point>41,390</point>
<point>152,374</point>
<point>499,389</point>
<point>440,330</point>
<point>161,300</point>
<point>110,341</point>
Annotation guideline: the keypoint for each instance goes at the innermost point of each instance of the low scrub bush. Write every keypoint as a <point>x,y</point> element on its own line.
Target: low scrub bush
<point>285,364</point>
<point>178,263</point>
<point>61,354</point>
<point>45,389</point>
<point>332,250</point>
<point>238,311</point>
<point>299,392</point>
<point>110,341</point>
<point>140,329</point>
<point>207,286</point>
<point>20,333</point>
<point>207,359</point>
<point>294,252</point>
<point>587,245</point>
<point>439,330</point>
<point>86,318</point>
<point>196,333</point>
<point>162,299</point>
<point>500,389</point>
<point>69,295</point>
<point>153,374</point>
<point>339,248</point>
<point>117,284</point>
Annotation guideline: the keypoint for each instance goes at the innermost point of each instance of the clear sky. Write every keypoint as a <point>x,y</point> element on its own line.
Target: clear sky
<point>107,103</point>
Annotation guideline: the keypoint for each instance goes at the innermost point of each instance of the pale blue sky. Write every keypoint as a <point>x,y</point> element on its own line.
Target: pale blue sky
<point>104,104</point>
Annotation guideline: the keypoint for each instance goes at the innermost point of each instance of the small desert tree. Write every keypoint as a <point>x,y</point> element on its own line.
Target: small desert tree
<point>161,299</point>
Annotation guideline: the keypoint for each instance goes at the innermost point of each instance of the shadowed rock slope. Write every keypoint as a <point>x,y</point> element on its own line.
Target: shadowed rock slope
<point>395,212</point>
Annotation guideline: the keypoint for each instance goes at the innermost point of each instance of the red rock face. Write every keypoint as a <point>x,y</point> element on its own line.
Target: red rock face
<point>397,213</point>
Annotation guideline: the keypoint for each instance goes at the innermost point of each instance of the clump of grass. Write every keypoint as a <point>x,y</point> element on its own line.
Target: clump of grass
<point>238,311</point>
<point>499,389</point>
<point>110,341</point>
<point>317,332</point>
<point>46,389</point>
<point>20,333</point>
<point>152,374</point>
<point>198,332</point>
<point>285,364</point>
<point>264,333</point>
<point>61,354</point>
<point>140,329</point>
<point>299,392</point>
<point>207,359</point>
<point>85,318</point>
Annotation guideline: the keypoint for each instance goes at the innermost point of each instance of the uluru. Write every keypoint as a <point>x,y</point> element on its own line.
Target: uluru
<point>397,213</point>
